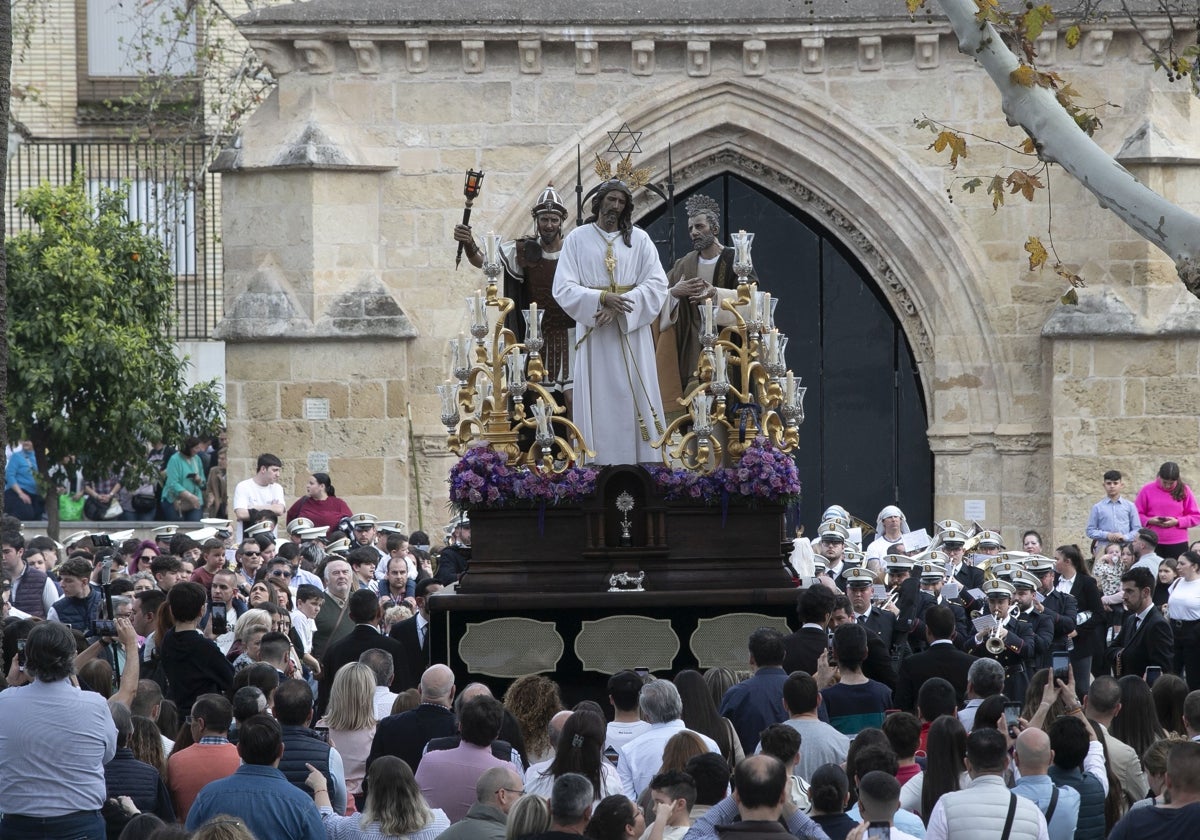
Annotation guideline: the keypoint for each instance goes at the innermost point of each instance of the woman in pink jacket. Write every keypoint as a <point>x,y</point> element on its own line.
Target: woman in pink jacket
<point>1167,507</point>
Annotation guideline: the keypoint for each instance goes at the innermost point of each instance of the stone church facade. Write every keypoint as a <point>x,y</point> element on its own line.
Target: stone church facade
<point>340,197</point>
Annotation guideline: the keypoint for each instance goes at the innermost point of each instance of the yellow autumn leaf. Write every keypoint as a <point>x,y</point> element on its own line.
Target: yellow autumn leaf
<point>914,5</point>
<point>956,143</point>
<point>1073,35</point>
<point>1028,146</point>
<point>996,188</point>
<point>1070,298</point>
<point>1037,253</point>
<point>1025,76</point>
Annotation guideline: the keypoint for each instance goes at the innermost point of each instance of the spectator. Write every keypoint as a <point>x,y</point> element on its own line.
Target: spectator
<point>1179,818</point>
<point>257,793</point>
<point>820,743</point>
<point>936,697</point>
<point>984,679</point>
<point>579,751</point>
<point>1059,803</point>
<point>496,792</point>
<point>1102,704</point>
<point>641,758</point>
<point>261,492</point>
<point>1168,692</point>
<point>760,789</point>
<point>193,664</point>
<point>21,497</point>
<point>1069,740</point>
<point>447,778</point>
<point>1167,507</point>
<point>981,809</point>
<point>880,757</point>
<point>31,591</point>
<point>674,796</point>
<point>944,770</point>
<point>1136,722</point>
<point>700,715</point>
<point>292,705</point>
<point>829,792</point>
<point>616,817</point>
<point>124,775</point>
<point>183,489</point>
<point>210,755</point>
<point>54,743</point>
<point>405,735</point>
<point>623,689</point>
<point>755,704</point>
<point>529,816</point>
<point>533,700</point>
<point>783,742</point>
<point>351,722</point>
<point>854,702</point>
<point>81,602</point>
<point>711,773</point>
<point>879,801</point>
<point>903,732</point>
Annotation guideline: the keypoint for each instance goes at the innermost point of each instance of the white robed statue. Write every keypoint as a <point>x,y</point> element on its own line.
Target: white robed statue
<point>610,280</point>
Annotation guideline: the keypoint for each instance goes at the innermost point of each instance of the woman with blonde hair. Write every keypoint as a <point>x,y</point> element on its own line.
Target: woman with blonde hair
<point>223,827</point>
<point>533,700</point>
<point>530,815</point>
<point>394,809</point>
<point>233,643</point>
<point>350,717</point>
<point>682,748</point>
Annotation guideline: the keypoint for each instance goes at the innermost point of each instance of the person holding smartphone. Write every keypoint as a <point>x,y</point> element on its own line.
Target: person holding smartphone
<point>1183,611</point>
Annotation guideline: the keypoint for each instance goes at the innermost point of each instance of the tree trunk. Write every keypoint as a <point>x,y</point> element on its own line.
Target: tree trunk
<point>1061,141</point>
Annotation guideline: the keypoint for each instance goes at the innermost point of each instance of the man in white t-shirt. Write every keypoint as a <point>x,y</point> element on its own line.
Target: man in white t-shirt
<point>623,690</point>
<point>262,492</point>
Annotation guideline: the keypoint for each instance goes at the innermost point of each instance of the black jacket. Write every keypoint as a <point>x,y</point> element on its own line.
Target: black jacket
<point>406,734</point>
<point>945,661</point>
<point>126,776</point>
<point>415,660</point>
<point>194,665</point>
<point>1152,644</point>
<point>347,649</point>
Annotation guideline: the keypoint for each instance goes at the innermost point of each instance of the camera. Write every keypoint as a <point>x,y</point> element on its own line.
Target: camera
<point>21,654</point>
<point>104,627</point>
<point>101,540</point>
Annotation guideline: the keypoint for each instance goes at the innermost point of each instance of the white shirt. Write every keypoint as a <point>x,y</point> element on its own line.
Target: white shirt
<point>1184,603</point>
<point>640,759</point>
<point>305,628</point>
<point>384,698</point>
<point>1064,584</point>
<point>250,495</point>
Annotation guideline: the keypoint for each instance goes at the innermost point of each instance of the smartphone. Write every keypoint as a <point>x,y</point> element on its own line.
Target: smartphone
<point>322,733</point>
<point>21,654</point>
<point>642,672</point>
<point>879,831</point>
<point>1153,672</point>
<point>219,622</point>
<point>1012,713</point>
<point>1061,661</point>
<point>104,627</point>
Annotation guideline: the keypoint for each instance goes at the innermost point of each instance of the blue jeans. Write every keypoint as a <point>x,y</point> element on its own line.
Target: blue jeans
<point>167,513</point>
<point>81,825</point>
<point>31,512</point>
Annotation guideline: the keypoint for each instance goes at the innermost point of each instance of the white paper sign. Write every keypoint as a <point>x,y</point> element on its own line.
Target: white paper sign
<point>951,590</point>
<point>975,509</point>
<point>984,623</point>
<point>915,541</point>
<point>879,592</point>
<point>1040,597</point>
<point>977,594</point>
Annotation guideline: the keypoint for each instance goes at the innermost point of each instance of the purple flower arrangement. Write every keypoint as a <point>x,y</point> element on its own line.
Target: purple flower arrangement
<point>483,480</point>
<point>763,474</point>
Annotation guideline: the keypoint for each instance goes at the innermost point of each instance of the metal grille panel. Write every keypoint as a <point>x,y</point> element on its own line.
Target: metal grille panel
<point>511,647</point>
<point>618,642</point>
<point>721,642</point>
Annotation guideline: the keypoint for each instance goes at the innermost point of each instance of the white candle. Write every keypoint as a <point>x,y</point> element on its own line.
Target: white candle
<point>719,372</point>
<point>772,346</point>
<point>766,310</point>
<point>789,393</point>
<point>533,320</point>
<point>542,415</point>
<point>464,351</point>
<point>707,313</point>
<point>491,248</point>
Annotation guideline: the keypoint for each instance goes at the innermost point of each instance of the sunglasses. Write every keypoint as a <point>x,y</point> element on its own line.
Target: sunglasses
<point>150,557</point>
<point>252,554</point>
<point>281,573</point>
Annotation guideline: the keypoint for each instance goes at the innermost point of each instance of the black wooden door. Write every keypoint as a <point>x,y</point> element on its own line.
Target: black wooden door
<point>863,444</point>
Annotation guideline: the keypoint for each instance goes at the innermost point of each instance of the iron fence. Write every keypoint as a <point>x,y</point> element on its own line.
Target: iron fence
<point>170,191</point>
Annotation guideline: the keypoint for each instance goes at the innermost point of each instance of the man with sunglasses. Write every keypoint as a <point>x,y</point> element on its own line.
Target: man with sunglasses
<point>249,558</point>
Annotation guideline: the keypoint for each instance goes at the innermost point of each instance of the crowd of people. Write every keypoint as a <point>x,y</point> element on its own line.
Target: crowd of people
<point>278,683</point>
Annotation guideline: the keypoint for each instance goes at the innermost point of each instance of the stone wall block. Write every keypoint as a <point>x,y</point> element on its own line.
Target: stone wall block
<point>278,58</point>
<point>358,477</point>
<point>367,399</point>
<point>587,58</point>
<point>529,56</point>
<point>292,396</point>
<point>642,57</point>
<point>1133,401</point>
<point>1142,356</point>
<point>1136,436</point>
<point>473,56</point>
<point>259,362</point>
<point>870,53</point>
<point>1086,397</point>
<point>1172,395</point>
<point>260,400</point>
<point>1047,47</point>
<point>1074,436</point>
<point>699,58</point>
<point>1159,40</point>
<point>754,57</point>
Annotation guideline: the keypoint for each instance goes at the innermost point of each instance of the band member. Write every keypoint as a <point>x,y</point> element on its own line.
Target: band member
<point>1010,641</point>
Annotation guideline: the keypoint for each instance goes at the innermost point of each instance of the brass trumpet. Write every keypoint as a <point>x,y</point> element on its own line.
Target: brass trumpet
<point>995,639</point>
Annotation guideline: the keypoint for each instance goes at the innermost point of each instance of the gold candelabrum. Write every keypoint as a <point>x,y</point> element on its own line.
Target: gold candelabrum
<point>485,398</point>
<point>745,389</point>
